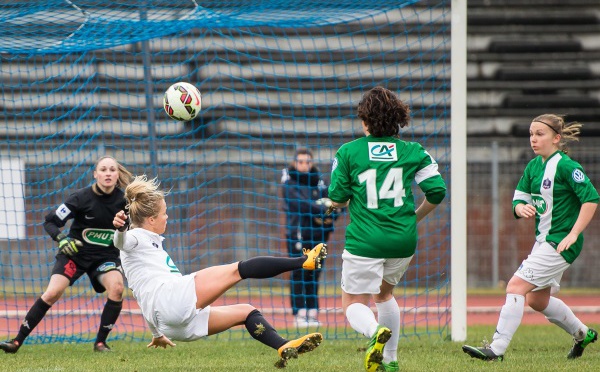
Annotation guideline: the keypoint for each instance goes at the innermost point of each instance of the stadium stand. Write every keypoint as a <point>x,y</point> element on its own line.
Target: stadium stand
<point>522,57</point>
<point>282,71</point>
<point>530,57</point>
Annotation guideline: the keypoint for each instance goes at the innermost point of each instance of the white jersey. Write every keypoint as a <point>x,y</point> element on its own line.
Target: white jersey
<point>147,266</point>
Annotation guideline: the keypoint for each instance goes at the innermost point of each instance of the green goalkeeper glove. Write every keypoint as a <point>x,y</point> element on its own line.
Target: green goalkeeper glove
<point>68,246</point>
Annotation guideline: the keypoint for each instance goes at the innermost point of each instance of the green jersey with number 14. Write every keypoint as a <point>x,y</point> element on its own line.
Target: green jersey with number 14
<point>556,188</point>
<point>376,175</point>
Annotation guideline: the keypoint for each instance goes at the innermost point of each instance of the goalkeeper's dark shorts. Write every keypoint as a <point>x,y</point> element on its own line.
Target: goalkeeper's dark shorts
<point>73,268</point>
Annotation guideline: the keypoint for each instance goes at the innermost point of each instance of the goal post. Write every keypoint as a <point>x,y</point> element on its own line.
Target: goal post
<point>458,171</point>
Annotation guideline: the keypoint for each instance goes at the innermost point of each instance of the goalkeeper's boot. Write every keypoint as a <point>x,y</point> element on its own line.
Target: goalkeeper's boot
<point>578,346</point>
<point>374,355</point>
<point>314,256</point>
<point>391,366</point>
<point>102,347</point>
<point>10,347</point>
<point>293,348</point>
<point>483,353</point>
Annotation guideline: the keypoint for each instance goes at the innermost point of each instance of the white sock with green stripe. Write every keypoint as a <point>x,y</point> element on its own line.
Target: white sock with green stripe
<point>388,314</point>
<point>361,319</point>
<point>560,314</point>
<point>510,319</point>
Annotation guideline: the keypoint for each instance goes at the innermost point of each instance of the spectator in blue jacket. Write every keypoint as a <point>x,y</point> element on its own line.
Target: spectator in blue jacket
<point>306,201</point>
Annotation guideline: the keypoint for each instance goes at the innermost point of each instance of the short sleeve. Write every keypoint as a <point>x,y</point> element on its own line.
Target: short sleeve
<point>340,187</point>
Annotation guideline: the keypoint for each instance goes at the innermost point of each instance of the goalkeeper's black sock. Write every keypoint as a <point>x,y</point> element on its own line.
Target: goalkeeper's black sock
<point>109,317</point>
<point>261,330</point>
<point>32,319</point>
<point>267,266</point>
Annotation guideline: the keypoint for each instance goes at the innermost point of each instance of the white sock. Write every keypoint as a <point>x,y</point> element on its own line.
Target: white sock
<point>510,319</point>
<point>388,315</point>
<point>361,319</point>
<point>560,314</point>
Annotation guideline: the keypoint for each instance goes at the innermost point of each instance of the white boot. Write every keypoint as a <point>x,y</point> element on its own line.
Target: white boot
<point>300,319</point>
<point>311,318</point>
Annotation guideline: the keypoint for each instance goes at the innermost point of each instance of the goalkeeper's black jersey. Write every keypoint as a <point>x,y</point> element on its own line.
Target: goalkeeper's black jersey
<point>92,216</point>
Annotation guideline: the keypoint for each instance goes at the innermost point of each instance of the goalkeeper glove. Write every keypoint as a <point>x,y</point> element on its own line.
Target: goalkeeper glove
<point>324,201</point>
<point>330,210</point>
<point>67,245</point>
<point>327,203</point>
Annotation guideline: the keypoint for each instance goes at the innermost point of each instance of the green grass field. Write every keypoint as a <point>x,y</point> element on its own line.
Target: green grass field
<point>534,348</point>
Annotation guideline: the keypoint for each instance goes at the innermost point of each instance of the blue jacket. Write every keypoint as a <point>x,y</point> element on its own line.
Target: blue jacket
<point>306,219</point>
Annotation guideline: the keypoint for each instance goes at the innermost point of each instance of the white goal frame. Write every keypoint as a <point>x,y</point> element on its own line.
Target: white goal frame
<point>458,171</point>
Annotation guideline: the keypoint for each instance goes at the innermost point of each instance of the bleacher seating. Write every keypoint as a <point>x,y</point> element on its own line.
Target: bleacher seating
<point>272,67</point>
<point>526,58</point>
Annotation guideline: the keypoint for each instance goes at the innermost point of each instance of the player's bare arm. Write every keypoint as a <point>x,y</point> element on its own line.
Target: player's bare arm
<point>424,209</point>
<point>336,205</point>
<point>586,214</point>
<point>525,210</point>
<point>120,220</point>
<point>340,205</point>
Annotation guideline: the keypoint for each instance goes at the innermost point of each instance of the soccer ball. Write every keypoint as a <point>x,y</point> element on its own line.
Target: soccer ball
<point>182,101</point>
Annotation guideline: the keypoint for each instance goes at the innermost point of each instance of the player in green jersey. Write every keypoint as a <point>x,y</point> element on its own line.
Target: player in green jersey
<point>373,177</point>
<point>555,190</point>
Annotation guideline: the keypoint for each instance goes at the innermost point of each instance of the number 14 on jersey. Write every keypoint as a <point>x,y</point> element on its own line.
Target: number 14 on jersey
<point>392,187</point>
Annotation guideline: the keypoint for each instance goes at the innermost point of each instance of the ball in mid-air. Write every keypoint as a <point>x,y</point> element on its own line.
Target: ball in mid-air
<point>182,101</point>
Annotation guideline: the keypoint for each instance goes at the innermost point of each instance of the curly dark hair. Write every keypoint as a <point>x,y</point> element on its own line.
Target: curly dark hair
<point>383,112</point>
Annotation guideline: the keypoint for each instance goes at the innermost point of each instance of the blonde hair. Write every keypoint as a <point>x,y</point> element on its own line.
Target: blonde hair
<point>568,132</point>
<point>143,199</point>
<point>124,179</point>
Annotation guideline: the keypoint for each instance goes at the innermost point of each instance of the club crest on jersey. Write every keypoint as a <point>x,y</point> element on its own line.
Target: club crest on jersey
<point>382,151</point>
<point>578,176</point>
<point>546,183</point>
<point>539,203</point>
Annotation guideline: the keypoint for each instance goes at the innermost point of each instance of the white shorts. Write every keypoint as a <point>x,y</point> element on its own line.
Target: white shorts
<point>543,267</point>
<point>175,312</point>
<point>363,275</point>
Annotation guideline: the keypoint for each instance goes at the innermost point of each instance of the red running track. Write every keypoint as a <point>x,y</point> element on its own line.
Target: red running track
<point>417,311</point>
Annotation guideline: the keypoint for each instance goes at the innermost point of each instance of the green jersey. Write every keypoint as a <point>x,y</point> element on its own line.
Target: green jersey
<point>556,188</point>
<point>376,175</point>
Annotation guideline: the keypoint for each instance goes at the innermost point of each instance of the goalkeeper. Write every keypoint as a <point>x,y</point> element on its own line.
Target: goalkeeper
<point>86,249</point>
<point>374,175</point>
<point>177,306</point>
